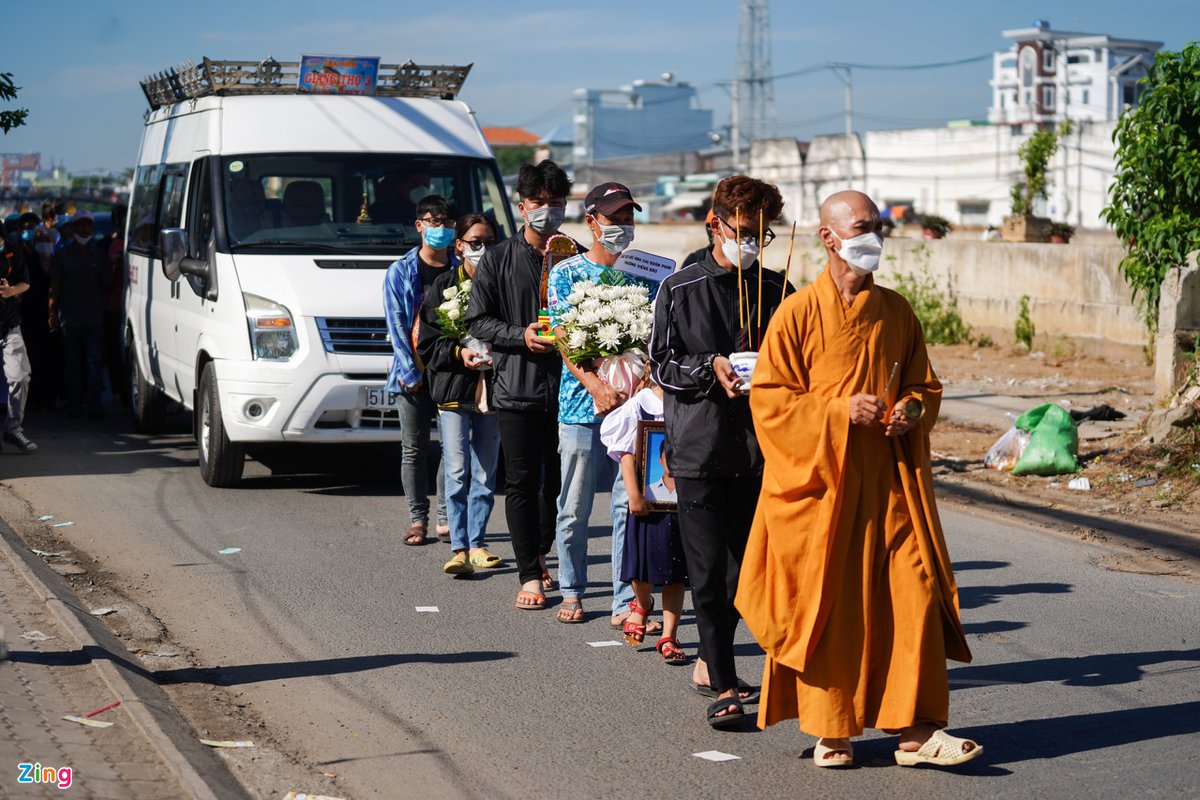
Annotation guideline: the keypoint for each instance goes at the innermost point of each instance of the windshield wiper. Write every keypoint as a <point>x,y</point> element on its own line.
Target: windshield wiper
<point>324,248</point>
<point>385,241</point>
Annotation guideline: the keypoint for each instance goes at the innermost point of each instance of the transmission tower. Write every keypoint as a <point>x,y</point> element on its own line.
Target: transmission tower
<point>755,88</point>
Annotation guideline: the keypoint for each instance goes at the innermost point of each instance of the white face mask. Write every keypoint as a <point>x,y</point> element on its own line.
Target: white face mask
<point>473,254</point>
<point>748,248</point>
<point>615,238</point>
<point>547,219</point>
<point>861,252</point>
<point>83,240</point>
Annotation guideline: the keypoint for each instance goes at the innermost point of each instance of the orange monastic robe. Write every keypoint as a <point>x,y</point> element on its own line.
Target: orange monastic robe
<point>846,582</point>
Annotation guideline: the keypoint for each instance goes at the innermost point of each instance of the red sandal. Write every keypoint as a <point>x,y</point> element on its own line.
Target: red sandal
<point>668,647</point>
<point>635,632</point>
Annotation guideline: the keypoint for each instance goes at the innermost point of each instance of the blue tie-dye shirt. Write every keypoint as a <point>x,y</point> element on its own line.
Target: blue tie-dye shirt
<point>575,405</point>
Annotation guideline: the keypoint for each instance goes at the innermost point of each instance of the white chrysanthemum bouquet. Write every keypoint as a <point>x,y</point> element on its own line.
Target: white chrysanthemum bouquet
<point>610,320</point>
<point>452,313</point>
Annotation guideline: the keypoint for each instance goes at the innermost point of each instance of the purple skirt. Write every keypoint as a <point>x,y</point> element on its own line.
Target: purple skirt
<point>653,550</point>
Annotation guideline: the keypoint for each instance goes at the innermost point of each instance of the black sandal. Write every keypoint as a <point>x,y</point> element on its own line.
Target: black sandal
<point>729,720</point>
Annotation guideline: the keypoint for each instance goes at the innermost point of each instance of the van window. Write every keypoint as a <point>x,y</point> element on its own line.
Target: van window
<point>170,203</point>
<point>141,208</point>
<point>348,202</point>
<point>200,227</point>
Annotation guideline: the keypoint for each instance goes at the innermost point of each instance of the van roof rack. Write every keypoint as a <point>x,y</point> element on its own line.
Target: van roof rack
<point>189,81</point>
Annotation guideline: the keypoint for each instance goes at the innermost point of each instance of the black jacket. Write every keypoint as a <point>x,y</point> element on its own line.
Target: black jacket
<point>696,319</point>
<point>451,384</point>
<point>505,301</point>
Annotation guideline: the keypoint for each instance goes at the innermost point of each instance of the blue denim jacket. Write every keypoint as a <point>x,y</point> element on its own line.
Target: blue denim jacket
<point>402,298</point>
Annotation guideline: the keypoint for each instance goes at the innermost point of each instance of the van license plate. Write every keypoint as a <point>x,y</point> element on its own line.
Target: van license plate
<point>378,397</point>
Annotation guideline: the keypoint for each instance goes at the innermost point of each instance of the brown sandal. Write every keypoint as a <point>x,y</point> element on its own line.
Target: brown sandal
<point>416,536</point>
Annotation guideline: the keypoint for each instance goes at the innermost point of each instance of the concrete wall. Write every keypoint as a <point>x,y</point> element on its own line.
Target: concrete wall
<point>1075,289</point>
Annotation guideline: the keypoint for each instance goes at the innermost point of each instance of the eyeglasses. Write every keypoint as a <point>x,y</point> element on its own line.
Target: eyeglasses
<point>439,221</point>
<point>768,234</point>
<point>477,242</point>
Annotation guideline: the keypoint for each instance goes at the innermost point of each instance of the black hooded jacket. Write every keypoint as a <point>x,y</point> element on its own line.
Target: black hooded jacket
<point>505,301</point>
<point>451,383</point>
<point>696,319</point>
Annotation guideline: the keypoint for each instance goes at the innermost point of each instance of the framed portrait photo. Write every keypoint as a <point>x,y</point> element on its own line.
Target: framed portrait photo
<point>653,476</point>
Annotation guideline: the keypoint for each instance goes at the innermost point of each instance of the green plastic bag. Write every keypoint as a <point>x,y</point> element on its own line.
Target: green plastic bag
<point>1053,442</point>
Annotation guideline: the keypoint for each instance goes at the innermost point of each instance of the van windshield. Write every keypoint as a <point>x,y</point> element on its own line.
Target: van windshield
<point>362,203</point>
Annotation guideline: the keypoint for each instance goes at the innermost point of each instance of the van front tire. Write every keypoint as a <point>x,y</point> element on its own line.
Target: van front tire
<point>221,461</point>
<point>147,406</point>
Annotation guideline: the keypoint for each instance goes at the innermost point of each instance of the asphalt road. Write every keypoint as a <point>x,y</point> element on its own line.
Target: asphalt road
<point>1084,682</point>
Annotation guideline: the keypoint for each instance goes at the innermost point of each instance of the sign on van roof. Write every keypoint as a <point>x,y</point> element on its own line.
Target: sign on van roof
<point>338,74</point>
<point>269,76</point>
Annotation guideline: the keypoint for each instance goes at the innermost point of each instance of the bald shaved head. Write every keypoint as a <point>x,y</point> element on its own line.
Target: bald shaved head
<point>845,215</point>
<point>845,206</point>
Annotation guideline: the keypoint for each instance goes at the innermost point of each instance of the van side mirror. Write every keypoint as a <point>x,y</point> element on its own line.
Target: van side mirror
<point>172,247</point>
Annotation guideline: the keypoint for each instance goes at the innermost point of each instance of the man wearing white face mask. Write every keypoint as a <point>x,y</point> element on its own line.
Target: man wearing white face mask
<point>846,582</point>
<point>703,314</point>
<point>503,310</point>
<point>583,398</point>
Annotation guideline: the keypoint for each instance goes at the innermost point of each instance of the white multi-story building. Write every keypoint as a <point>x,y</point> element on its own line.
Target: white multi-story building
<point>1048,76</point>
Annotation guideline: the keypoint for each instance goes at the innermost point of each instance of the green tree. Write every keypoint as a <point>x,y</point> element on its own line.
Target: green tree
<point>1035,155</point>
<point>8,92</point>
<point>1155,198</point>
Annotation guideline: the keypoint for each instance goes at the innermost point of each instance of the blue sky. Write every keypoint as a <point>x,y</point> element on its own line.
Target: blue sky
<point>79,64</point>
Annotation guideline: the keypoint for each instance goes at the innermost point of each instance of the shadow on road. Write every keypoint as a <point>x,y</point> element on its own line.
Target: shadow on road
<point>256,673</point>
<point>1099,670</point>
<point>964,566</point>
<point>1044,739</point>
<point>979,596</point>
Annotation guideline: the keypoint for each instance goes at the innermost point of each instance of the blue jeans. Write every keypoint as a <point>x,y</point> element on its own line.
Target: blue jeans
<point>416,421</point>
<point>470,447</point>
<point>581,455</point>
<point>622,590</point>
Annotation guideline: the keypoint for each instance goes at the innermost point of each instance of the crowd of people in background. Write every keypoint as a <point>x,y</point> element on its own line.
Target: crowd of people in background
<point>60,308</point>
<point>801,495</point>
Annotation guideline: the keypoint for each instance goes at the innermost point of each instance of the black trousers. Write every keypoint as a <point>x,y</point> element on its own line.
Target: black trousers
<point>530,443</point>
<point>715,515</point>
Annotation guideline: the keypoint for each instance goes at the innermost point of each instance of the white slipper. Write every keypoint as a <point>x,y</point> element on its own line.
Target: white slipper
<point>820,753</point>
<point>941,749</point>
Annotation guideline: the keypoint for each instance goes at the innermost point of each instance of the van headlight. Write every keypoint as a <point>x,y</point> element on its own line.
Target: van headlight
<point>272,332</point>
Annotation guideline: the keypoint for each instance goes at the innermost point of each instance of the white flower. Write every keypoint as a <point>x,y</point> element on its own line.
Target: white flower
<point>451,292</point>
<point>577,339</point>
<point>609,336</point>
<point>454,313</point>
<point>575,298</point>
<point>466,285</point>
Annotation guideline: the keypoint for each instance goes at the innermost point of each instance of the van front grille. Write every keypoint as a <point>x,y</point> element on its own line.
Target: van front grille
<point>355,335</point>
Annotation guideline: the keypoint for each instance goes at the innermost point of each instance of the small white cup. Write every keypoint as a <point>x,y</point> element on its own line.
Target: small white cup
<point>743,366</point>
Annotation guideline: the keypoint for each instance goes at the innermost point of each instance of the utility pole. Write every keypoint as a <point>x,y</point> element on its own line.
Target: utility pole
<point>755,85</point>
<point>843,72</point>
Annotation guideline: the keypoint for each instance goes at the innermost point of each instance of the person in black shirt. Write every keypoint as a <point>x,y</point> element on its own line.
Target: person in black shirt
<point>702,315</point>
<point>14,281</point>
<point>503,311</point>
<point>77,304</point>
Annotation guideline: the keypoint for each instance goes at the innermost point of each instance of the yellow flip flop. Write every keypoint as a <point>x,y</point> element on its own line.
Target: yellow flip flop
<point>482,559</point>
<point>459,565</point>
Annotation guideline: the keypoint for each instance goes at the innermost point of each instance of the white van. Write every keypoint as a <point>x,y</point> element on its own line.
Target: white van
<point>261,222</point>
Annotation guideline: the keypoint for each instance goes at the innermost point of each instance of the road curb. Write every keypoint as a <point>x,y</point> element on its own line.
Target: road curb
<point>148,706</point>
<point>966,494</point>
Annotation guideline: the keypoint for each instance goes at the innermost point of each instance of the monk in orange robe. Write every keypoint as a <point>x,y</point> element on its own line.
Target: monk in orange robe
<point>846,581</point>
